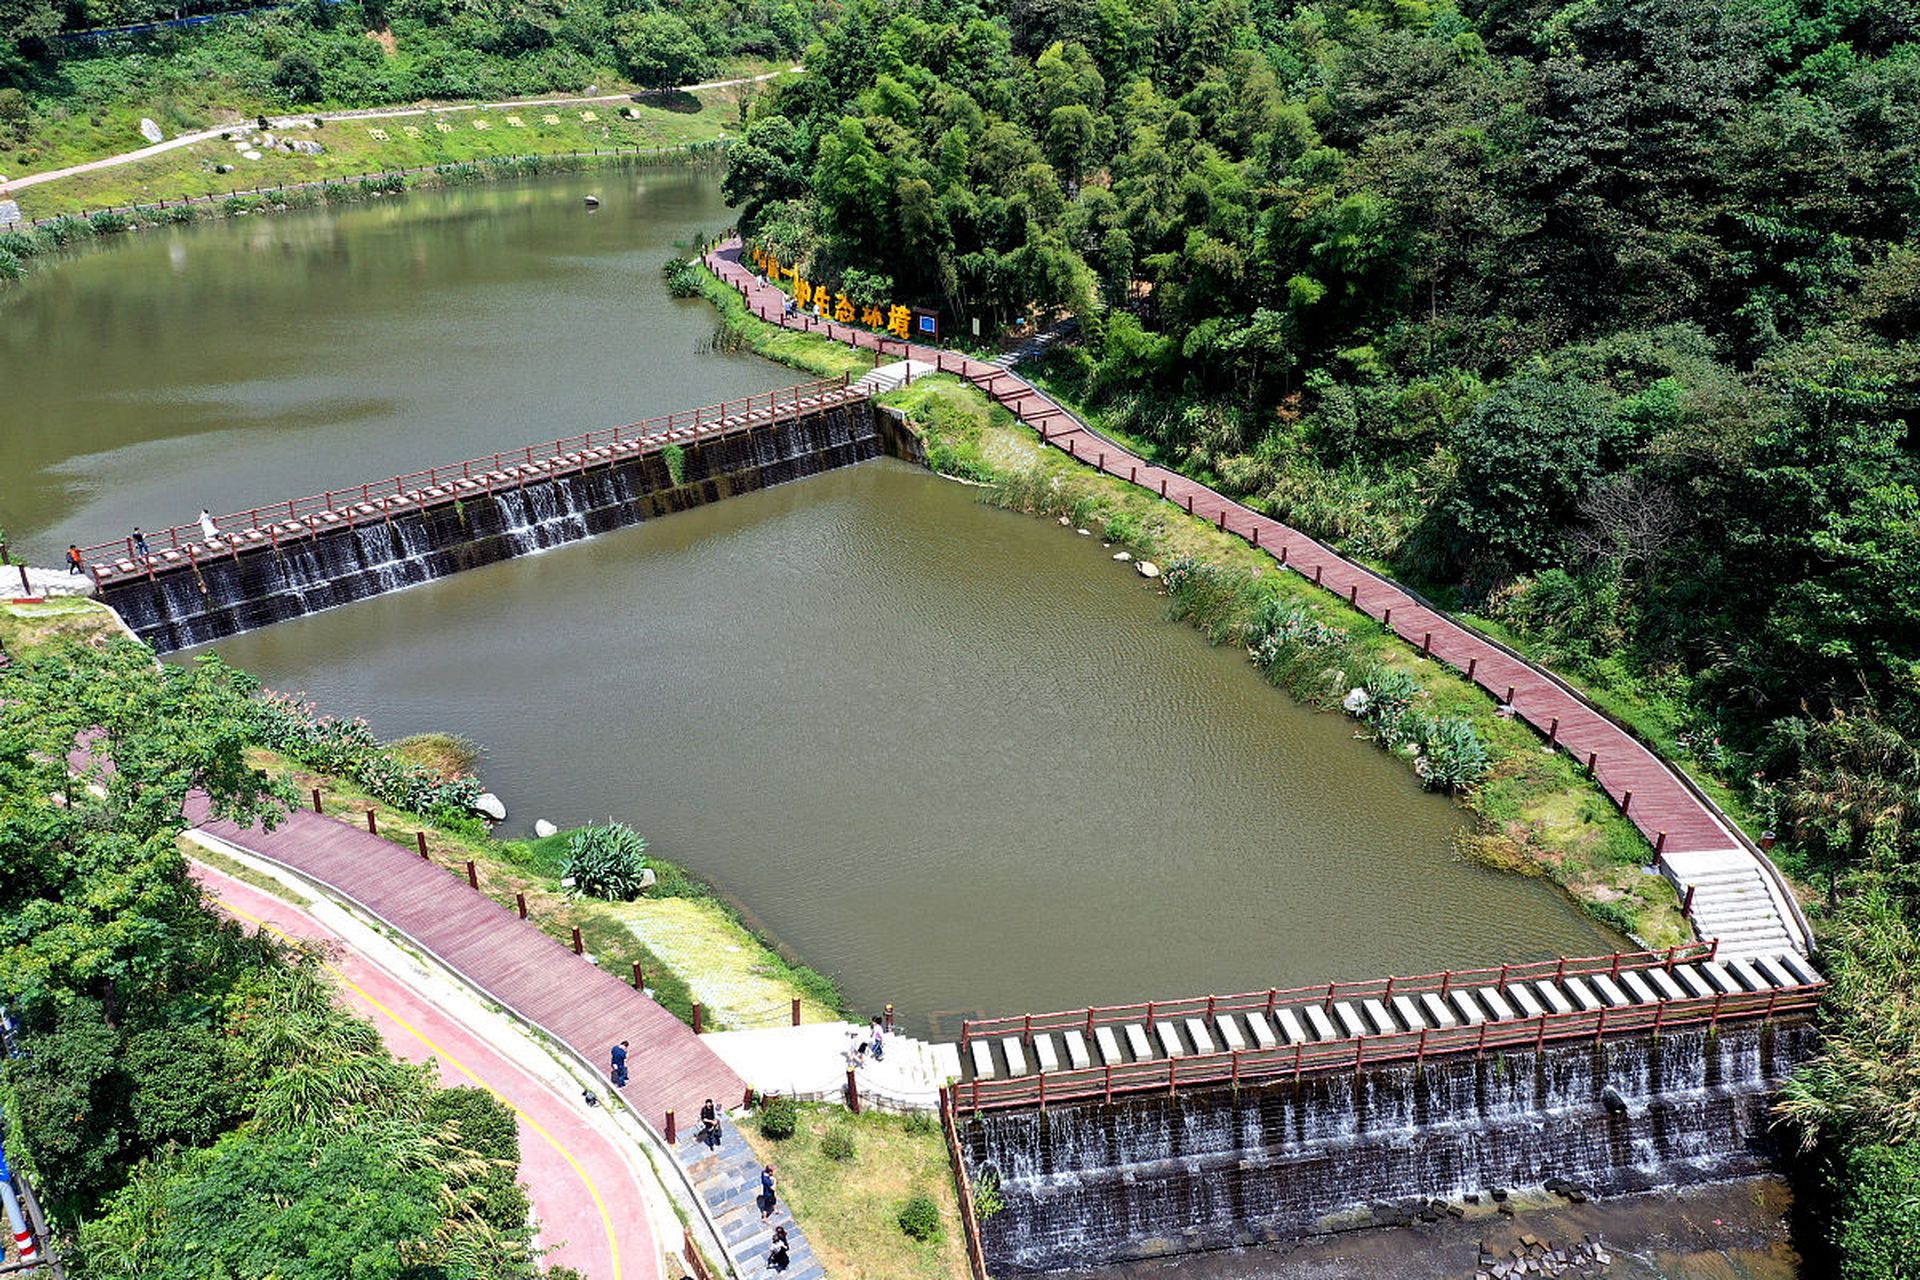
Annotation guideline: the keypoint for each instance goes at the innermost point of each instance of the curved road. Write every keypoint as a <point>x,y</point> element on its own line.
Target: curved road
<point>374,113</point>
<point>589,1201</point>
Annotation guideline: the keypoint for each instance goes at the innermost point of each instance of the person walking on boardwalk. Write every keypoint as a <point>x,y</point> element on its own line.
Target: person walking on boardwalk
<point>140,544</point>
<point>74,563</point>
<point>208,529</point>
<point>709,1123</point>
<point>620,1064</point>
<point>767,1200</point>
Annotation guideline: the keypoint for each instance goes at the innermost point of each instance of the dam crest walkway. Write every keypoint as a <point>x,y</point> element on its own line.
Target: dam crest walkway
<point>1735,895</point>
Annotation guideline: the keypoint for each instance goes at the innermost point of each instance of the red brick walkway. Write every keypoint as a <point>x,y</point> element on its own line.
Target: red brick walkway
<point>533,976</point>
<point>1674,819</point>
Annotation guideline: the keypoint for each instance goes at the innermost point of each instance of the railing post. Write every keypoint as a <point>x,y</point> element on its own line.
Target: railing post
<point>853,1093</point>
<point>520,905</point>
<point>473,874</point>
<point>796,1010</point>
<point>373,827</point>
<point>316,800</point>
<point>420,843</point>
<point>697,1019</point>
<point>639,978</point>
<point>579,948</point>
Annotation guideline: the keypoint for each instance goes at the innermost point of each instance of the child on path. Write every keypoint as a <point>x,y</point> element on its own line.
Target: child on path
<point>780,1254</point>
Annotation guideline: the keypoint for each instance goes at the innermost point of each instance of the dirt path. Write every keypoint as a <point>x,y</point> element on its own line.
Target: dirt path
<point>371,113</point>
<point>590,1203</point>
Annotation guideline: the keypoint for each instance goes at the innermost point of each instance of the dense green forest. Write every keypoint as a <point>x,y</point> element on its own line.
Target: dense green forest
<point>188,1097</point>
<point>1596,320</point>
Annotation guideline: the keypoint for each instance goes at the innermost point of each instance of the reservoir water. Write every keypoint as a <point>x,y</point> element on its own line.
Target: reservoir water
<point>956,757</point>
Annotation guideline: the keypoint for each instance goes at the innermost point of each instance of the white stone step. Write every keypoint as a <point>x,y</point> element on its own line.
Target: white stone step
<point>1077,1056</point>
<point>1439,1017</point>
<point>1137,1042</point>
<point>1746,975</point>
<point>1109,1046</point>
<point>1261,1030</point>
<point>1636,987</point>
<point>1169,1035</point>
<point>1045,1059</point>
<point>1770,968</point>
<point>1609,990</point>
<point>1463,1004</point>
<point>1496,1004</point>
<point>1717,974</point>
<point>1551,996</point>
<point>1409,1010</point>
<point>1693,981</point>
<point>1523,999</point>
<point>1583,996</point>
<point>1198,1037</point>
<point>983,1064</point>
<point>1016,1056</point>
<point>1230,1035</point>
<point>1798,967</point>
<point>1378,1017</point>
<point>1348,1019</point>
<point>1663,984</point>
<point>1316,1017</point>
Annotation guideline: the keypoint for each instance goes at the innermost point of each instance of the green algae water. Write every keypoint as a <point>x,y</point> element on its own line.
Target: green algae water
<point>958,758</point>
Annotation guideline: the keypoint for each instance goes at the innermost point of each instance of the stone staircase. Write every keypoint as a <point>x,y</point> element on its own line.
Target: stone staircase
<point>891,377</point>
<point>1734,901</point>
<point>727,1178</point>
<point>808,1064</point>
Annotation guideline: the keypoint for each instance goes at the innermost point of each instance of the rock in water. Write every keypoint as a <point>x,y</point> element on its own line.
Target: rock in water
<point>542,828</point>
<point>1355,703</point>
<point>151,131</point>
<point>1122,556</point>
<point>490,805</point>
<point>1146,568</point>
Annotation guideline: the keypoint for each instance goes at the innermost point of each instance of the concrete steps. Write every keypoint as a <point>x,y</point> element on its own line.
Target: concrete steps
<point>1173,1037</point>
<point>727,1178</point>
<point>1734,901</point>
<point>809,1064</point>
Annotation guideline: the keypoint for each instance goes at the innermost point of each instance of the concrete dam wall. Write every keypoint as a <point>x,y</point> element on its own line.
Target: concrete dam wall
<point>1095,1183</point>
<point>252,577</point>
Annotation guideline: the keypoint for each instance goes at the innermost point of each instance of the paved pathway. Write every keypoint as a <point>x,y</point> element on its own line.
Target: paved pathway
<point>590,1205</point>
<point>728,1179</point>
<point>1698,847</point>
<point>544,983</point>
<point>375,113</point>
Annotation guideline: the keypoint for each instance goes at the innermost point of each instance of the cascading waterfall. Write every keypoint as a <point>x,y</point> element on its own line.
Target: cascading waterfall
<point>1099,1183</point>
<point>227,593</point>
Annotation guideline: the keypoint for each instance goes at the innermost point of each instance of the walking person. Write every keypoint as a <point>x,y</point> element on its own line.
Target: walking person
<point>208,529</point>
<point>140,544</point>
<point>879,1038</point>
<point>74,562</point>
<point>767,1200</point>
<point>709,1123</point>
<point>780,1253</point>
<point>620,1064</point>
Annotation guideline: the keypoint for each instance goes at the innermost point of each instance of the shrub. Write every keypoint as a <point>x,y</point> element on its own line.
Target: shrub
<point>676,459</point>
<point>65,230</point>
<point>11,268</point>
<point>921,1123</point>
<point>682,276</point>
<point>1453,757</point>
<point>106,222</point>
<point>778,1118</point>
<point>920,1217</point>
<point>987,1199</point>
<point>1617,912</point>
<point>837,1143</point>
<point>176,214</point>
<point>349,749</point>
<point>607,862</point>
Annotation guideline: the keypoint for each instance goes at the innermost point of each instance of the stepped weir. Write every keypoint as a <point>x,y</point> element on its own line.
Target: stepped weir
<point>1136,1131</point>
<point>272,563</point>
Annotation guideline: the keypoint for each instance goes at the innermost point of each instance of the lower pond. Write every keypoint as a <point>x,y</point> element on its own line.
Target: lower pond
<point>957,758</point>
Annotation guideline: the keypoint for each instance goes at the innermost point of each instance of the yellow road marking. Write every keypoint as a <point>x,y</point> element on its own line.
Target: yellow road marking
<point>606,1219</point>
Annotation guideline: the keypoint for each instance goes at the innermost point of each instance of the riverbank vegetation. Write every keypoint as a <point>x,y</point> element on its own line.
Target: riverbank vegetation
<point>67,99</point>
<point>849,1178</point>
<point>188,1098</point>
<point>1595,322</point>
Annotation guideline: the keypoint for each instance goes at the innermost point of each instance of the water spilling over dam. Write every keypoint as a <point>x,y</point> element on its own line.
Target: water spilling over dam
<point>311,554</point>
<point>1096,1183</point>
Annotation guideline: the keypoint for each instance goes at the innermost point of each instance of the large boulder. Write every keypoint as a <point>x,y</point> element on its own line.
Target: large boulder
<point>542,828</point>
<point>151,131</point>
<point>1146,568</point>
<point>491,806</point>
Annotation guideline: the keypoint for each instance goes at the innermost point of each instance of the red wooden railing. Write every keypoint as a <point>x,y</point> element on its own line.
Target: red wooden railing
<point>299,516</point>
<point>1243,1066</point>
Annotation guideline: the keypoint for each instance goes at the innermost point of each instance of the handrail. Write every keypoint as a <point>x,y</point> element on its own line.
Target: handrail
<point>1325,993</point>
<point>963,1187</point>
<point>1353,1053</point>
<point>505,466</point>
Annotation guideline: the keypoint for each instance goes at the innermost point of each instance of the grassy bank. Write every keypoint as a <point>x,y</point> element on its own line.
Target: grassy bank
<point>691,944</point>
<point>847,1191</point>
<point>27,628</point>
<point>359,146</point>
<point>1538,813</point>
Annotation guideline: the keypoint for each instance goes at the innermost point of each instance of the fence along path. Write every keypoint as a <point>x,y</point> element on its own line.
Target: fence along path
<point>1733,891</point>
<point>536,978</point>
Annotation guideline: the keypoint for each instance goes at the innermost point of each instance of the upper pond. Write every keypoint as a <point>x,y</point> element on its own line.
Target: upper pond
<point>954,756</point>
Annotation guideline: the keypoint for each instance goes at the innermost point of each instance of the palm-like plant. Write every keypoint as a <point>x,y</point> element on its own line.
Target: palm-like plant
<point>607,862</point>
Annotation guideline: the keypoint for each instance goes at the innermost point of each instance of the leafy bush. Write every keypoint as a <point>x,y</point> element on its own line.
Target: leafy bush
<point>607,862</point>
<point>1618,913</point>
<point>920,1217</point>
<point>1452,757</point>
<point>349,749</point>
<point>682,276</point>
<point>778,1118</point>
<point>106,222</point>
<point>921,1123</point>
<point>65,230</point>
<point>837,1143</point>
<point>987,1199</point>
<point>676,459</point>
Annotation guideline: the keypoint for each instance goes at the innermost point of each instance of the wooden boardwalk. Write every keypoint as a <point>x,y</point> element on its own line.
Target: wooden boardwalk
<point>1699,848</point>
<point>544,983</point>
